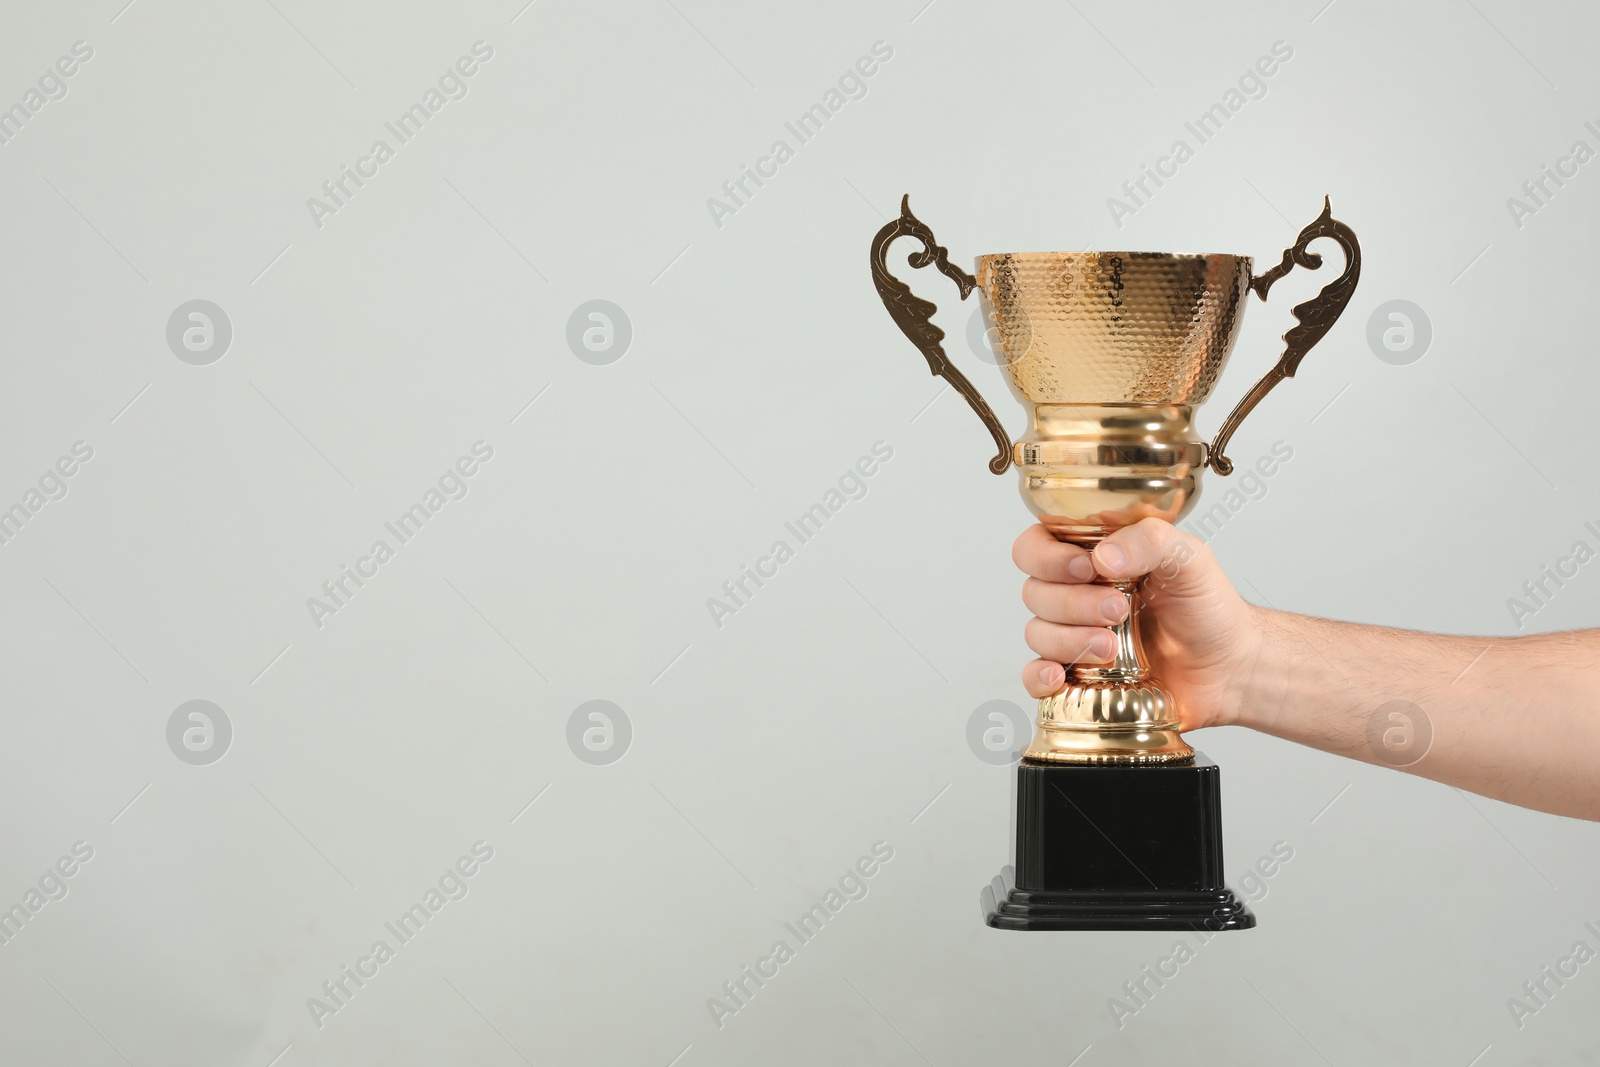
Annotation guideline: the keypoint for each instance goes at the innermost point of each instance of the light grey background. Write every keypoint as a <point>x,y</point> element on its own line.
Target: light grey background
<point>830,713</point>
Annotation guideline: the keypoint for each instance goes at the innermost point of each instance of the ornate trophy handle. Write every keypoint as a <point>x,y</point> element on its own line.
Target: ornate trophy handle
<point>1316,317</point>
<point>914,315</point>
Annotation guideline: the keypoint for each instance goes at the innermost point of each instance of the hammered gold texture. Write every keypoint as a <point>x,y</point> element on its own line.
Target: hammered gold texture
<point>1113,327</point>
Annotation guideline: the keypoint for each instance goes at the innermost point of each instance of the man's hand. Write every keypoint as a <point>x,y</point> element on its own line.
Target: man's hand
<point>1201,639</point>
<point>1522,727</point>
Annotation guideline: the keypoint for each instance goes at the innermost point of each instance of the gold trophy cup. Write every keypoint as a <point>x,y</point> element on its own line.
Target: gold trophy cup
<point>1110,353</point>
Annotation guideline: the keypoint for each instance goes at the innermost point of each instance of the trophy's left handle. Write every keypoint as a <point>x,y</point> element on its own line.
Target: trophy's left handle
<point>914,315</point>
<point>1316,317</point>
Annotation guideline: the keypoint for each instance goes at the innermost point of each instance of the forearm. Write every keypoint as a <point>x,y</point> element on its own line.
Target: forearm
<point>1517,719</point>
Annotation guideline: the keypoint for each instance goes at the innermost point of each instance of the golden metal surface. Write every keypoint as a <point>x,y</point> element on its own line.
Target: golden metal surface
<point>1110,353</point>
<point>1113,327</point>
<point>1088,469</point>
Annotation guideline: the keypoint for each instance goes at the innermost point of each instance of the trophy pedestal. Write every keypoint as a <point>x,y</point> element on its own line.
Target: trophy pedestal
<point>1117,847</point>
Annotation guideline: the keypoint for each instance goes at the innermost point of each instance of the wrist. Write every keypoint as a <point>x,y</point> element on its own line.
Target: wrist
<point>1268,646</point>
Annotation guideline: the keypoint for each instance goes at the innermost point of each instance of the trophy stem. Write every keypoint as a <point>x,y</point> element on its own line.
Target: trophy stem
<point>1112,714</point>
<point>1127,666</point>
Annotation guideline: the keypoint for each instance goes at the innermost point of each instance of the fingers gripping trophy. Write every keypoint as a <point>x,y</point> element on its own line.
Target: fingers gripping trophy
<point>1119,821</point>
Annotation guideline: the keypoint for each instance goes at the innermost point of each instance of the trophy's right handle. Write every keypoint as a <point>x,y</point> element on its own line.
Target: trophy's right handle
<point>914,315</point>
<point>1316,317</point>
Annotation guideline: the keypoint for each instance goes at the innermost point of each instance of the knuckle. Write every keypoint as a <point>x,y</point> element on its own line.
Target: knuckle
<point>1073,642</point>
<point>1032,634</point>
<point>1188,549</point>
<point>1019,546</point>
<point>1156,533</point>
<point>1019,556</point>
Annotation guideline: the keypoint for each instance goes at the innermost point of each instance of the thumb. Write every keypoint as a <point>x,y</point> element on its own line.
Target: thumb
<point>1177,563</point>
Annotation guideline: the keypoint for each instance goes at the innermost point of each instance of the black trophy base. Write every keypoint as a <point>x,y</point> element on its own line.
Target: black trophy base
<point>1117,848</point>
